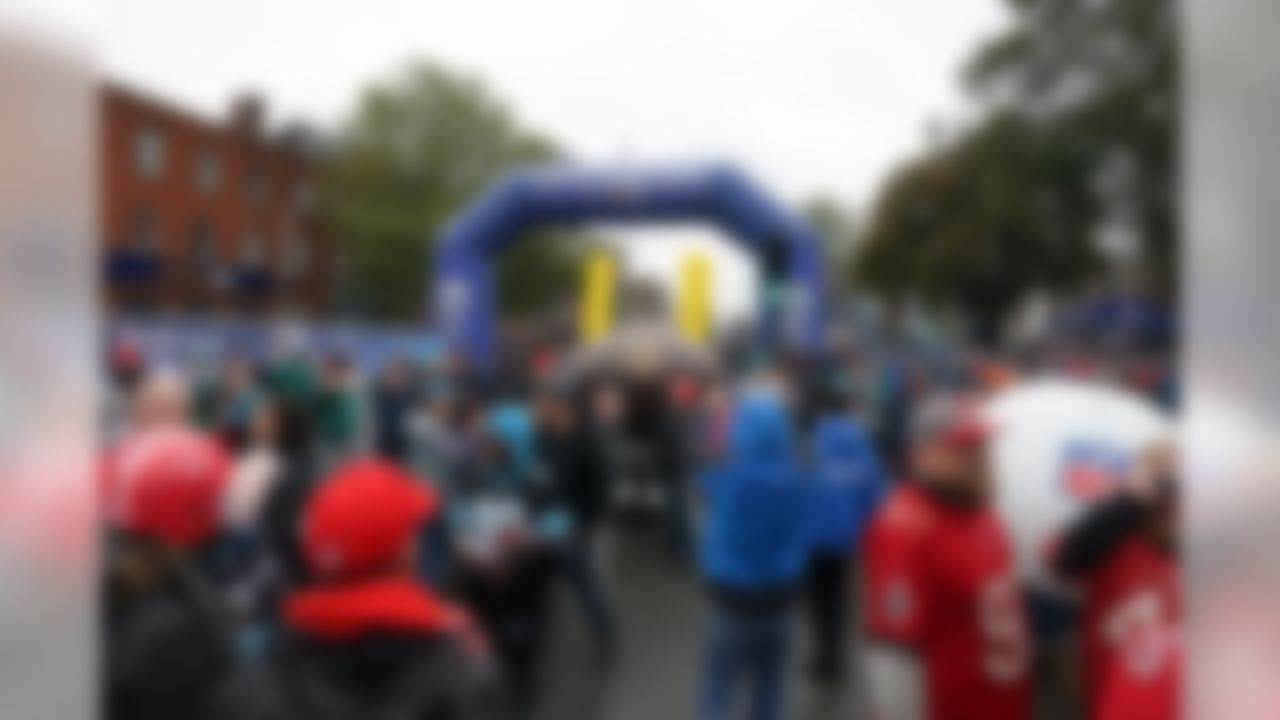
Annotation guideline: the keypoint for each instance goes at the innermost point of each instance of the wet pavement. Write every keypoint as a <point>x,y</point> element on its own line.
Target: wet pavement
<point>654,673</point>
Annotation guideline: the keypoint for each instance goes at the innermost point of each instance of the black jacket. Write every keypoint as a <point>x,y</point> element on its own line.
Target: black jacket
<point>392,405</point>
<point>378,677</point>
<point>164,654</point>
<point>1092,539</point>
<point>578,473</point>
<point>279,521</point>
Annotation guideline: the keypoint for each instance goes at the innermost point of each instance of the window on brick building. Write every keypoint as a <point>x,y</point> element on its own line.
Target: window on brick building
<point>257,184</point>
<point>143,233</point>
<point>296,256</point>
<point>208,171</point>
<point>252,251</point>
<point>148,153</point>
<point>202,244</point>
<point>304,196</point>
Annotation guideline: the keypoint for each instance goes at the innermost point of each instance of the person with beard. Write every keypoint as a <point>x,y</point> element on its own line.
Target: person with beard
<point>167,635</point>
<point>1122,556</point>
<point>364,637</point>
<point>947,630</point>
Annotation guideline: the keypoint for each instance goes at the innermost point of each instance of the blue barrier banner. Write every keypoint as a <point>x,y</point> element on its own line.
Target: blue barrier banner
<point>196,342</point>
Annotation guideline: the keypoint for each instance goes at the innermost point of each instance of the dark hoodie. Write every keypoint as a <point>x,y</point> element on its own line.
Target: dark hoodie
<point>379,650</point>
<point>165,650</point>
<point>754,538</point>
<point>578,473</point>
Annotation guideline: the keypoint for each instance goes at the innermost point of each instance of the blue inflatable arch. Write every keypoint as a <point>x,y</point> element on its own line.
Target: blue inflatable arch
<point>527,199</point>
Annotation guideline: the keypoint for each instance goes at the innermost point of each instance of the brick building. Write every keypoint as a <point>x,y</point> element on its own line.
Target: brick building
<point>200,216</point>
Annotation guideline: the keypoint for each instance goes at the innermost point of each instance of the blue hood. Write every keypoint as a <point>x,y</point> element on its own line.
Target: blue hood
<point>837,437</point>
<point>759,430</point>
<point>755,502</point>
<point>850,482</point>
<point>512,424</point>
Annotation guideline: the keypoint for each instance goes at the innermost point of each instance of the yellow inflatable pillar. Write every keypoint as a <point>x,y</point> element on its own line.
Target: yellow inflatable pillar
<point>599,286</point>
<point>693,301</point>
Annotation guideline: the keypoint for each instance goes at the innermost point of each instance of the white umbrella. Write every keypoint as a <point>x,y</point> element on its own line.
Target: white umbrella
<point>646,348</point>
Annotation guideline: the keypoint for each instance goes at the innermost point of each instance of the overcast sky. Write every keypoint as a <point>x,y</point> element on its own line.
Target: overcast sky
<point>810,96</point>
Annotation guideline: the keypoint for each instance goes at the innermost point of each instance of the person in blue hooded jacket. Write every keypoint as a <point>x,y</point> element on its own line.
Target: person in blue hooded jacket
<point>511,422</point>
<point>754,547</point>
<point>849,482</point>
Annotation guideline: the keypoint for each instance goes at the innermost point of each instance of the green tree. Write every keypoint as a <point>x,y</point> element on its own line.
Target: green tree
<point>967,226</point>
<point>1101,78</point>
<point>416,150</point>
<point>837,225</point>
<point>1080,131</point>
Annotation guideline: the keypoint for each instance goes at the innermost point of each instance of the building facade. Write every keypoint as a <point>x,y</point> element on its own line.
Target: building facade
<point>207,217</point>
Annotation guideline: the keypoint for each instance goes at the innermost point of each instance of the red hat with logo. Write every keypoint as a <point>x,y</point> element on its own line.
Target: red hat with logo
<point>167,484</point>
<point>362,517</point>
<point>955,419</point>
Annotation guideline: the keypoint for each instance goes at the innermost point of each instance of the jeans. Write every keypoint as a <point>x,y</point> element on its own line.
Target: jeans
<point>578,562</point>
<point>744,646</point>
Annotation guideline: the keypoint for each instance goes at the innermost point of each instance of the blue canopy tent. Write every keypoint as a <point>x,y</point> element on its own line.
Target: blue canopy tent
<point>1120,315</point>
<point>531,198</point>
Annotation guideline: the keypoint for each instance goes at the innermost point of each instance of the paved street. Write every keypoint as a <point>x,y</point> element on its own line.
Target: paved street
<point>655,674</point>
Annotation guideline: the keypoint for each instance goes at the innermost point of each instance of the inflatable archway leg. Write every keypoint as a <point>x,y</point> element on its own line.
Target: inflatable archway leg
<point>465,297</point>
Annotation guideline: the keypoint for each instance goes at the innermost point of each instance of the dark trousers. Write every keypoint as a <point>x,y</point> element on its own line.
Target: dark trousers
<point>827,599</point>
<point>676,521</point>
<point>578,563</point>
<point>744,651</point>
<point>514,609</point>
<point>520,643</point>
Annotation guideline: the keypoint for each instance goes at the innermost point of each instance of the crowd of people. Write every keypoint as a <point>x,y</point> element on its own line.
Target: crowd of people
<point>286,541</point>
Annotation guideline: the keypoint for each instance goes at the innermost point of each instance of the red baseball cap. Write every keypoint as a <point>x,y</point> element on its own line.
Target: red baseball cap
<point>126,354</point>
<point>166,483</point>
<point>683,391</point>
<point>362,517</point>
<point>955,419</point>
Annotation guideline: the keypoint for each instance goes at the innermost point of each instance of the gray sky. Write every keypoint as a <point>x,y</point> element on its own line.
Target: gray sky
<point>809,96</point>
